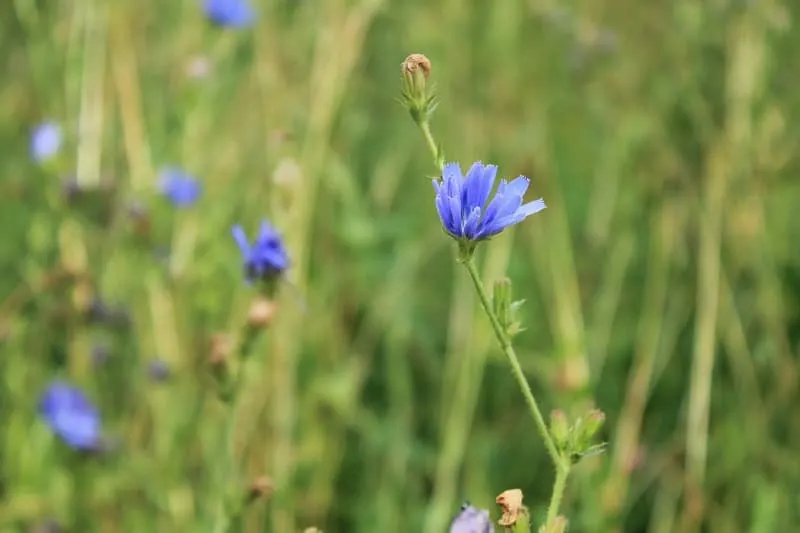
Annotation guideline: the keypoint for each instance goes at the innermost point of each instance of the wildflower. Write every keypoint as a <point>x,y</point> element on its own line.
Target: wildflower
<point>158,370</point>
<point>182,189</point>
<point>70,414</point>
<point>230,13</point>
<point>462,202</point>
<point>471,520</point>
<point>266,258</point>
<point>45,141</point>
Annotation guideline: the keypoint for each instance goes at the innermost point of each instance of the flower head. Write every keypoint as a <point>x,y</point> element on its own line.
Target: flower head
<point>70,414</point>
<point>462,202</point>
<point>182,189</point>
<point>266,257</point>
<point>45,141</point>
<point>471,520</point>
<point>230,13</point>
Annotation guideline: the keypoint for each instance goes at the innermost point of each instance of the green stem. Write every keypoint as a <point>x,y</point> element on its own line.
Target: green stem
<point>516,369</point>
<point>562,472</point>
<point>425,126</point>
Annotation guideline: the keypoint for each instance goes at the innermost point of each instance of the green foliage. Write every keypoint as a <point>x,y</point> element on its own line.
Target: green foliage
<point>661,284</point>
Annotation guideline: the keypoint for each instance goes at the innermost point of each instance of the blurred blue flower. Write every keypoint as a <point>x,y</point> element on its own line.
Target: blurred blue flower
<point>158,370</point>
<point>231,13</point>
<point>462,202</point>
<point>181,188</point>
<point>471,520</point>
<point>70,414</point>
<point>266,257</point>
<point>45,141</point>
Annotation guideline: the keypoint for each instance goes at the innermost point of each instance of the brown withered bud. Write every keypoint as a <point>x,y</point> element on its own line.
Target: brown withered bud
<point>262,312</point>
<point>417,62</point>
<point>261,488</point>
<point>510,502</point>
<point>220,349</point>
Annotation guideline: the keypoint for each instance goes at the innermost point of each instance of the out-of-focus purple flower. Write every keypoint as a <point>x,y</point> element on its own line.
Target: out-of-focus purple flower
<point>158,370</point>
<point>230,13</point>
<point>45,141</point>
<point>71,416</point>
<point>266,257</point>
<point>179,187</point>
<point>471,520</point>
<point>462,202</point>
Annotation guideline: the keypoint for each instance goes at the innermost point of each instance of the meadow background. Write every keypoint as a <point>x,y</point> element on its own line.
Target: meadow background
<point>661,283</point>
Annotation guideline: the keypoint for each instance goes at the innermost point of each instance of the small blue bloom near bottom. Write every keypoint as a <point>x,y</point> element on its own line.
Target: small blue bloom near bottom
<point>71,416</point>
<point>471,520</point>
<point>461,202</point>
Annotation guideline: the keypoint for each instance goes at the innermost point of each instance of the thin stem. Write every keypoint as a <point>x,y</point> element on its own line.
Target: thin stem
<point>516,369</point>
<point>425,126</point>
<point>562,472</point>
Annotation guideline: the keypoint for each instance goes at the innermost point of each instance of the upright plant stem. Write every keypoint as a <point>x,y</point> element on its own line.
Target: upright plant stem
<point>426,132</point>
<point>561,463</point>
<point>516,369</point>
<point>562,472</point>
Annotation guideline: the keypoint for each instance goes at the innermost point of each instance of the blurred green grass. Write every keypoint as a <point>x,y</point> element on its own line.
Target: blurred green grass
<point>661,283</point>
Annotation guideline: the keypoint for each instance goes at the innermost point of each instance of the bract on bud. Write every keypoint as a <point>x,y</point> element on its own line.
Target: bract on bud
<point>592,423</point>
<point>501,301</point>
<point>559,428</point>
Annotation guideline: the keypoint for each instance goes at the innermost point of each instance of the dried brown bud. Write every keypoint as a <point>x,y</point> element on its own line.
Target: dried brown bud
<point>261,487</point>
<point>262,312</point>
<point>510,502</point>
<point>417,62</point>
<point>220,349</point>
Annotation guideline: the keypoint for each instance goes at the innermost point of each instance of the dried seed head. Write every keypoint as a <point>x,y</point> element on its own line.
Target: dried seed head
<point>262,312</point>
<point>261,487</point>
<point>220,349</point>
<point>510,501</point>
<point>417,62</point>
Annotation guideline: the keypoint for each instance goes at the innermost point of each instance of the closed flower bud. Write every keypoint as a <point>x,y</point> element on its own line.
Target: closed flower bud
<point>559,428</point>
<point>262,312</point>
<point>261,487</point>
<point>416,95</point>
<point>220,349</point>
<point>592,423</point>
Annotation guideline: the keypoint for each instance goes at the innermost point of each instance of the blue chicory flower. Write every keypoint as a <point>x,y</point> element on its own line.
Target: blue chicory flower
<point>230,13</point>
<point>462,202</point>
<point>45,141</point>
<point>266,257</point>
<point>471,520</point>
<point>71,415</point>
<point>181,188</point>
